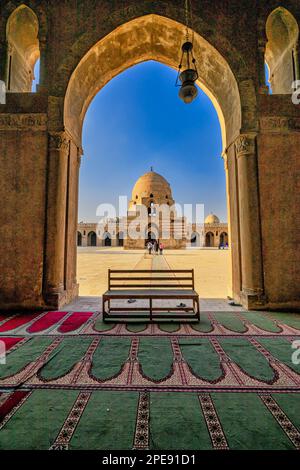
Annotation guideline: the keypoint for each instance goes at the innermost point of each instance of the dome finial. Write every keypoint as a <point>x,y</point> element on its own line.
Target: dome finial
<point>151,168</point>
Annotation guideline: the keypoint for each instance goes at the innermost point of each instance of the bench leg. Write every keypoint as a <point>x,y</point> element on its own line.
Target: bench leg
<point>198,309</point>
<point>150,300</point>
<point>104,314</point>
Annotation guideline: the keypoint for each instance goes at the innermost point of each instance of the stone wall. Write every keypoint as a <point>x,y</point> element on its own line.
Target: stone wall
<point>23,173</point>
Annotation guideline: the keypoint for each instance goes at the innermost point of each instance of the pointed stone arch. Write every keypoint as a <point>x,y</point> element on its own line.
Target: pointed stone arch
<point>282,50</point>
<point>79,239</point>
<point>156,37</point>
<point>23,50</point>
<point>92,238</point>
<point>151,37</point>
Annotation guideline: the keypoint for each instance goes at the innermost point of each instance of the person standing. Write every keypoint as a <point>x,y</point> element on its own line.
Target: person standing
<point>161,248</point>
<point>149,247</point>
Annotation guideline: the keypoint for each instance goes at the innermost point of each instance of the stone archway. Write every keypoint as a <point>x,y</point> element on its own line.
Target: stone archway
<point>107,239</point>
<point>209,239</point>
<point>223,238</point>
<point>92,239</point>
<point>40,138</point>
<point>153,37</point>
<point>23,49</point>
<point>282,48</point>
<point>79,239</point>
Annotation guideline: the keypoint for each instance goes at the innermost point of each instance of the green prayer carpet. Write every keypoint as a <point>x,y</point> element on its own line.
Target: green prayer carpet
<point>156,357</point>
<point>248,424</point>
<point>108,422</point>
<point>36,424</point>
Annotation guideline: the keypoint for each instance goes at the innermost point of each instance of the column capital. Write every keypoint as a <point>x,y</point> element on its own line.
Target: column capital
<point>245,144</point>
<point>59,141</point>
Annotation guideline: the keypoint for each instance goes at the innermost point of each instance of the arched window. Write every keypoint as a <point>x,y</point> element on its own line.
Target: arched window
<point>152,210</point>
<point>282,50</point>
<point>79,239</point>
<point>23,49</point>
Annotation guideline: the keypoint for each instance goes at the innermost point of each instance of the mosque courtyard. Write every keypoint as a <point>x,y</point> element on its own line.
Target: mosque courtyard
<point>228,382</point>
<point>211,267</point>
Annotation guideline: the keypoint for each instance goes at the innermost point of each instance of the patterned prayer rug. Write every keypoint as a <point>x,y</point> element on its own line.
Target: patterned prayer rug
<point>70,381</point>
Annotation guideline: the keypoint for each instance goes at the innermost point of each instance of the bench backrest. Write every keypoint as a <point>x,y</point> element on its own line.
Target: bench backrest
<point>150,279</point>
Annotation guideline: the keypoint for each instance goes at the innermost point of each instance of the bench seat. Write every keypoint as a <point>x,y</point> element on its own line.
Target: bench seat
<point>150,285</point>
<point>154,293</point>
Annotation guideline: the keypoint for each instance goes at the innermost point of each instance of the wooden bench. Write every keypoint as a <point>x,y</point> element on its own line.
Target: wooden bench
<point>151,285</point>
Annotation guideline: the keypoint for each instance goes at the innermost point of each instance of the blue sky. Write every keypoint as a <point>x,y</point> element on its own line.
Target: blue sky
<point>137,121</point>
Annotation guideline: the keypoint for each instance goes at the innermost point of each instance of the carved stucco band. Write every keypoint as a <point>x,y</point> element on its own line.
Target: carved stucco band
<point>20,122</point>
<point>279,124</point>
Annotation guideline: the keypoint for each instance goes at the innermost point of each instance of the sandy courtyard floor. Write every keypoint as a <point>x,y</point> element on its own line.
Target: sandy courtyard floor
<point>212,275</point>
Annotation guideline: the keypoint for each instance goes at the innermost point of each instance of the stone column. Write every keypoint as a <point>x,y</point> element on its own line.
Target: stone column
<point>75,287</point>
<point>234,287</point>
<point>225,160</point>
<point>54,282</point>
<point>252,294</point>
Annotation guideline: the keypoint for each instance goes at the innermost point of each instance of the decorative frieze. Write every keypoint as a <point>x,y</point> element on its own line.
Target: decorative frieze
<point>23,122</point>
<point>279,124</point>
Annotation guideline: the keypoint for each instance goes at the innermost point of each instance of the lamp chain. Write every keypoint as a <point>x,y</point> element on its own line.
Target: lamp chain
<point>187,19</point>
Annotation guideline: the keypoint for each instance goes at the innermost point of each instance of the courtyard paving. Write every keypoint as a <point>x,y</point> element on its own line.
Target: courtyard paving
<point>211,267</point>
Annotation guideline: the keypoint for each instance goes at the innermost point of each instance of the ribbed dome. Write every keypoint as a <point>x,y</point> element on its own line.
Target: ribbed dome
<point>151,184</point>
<point>212,219</point>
